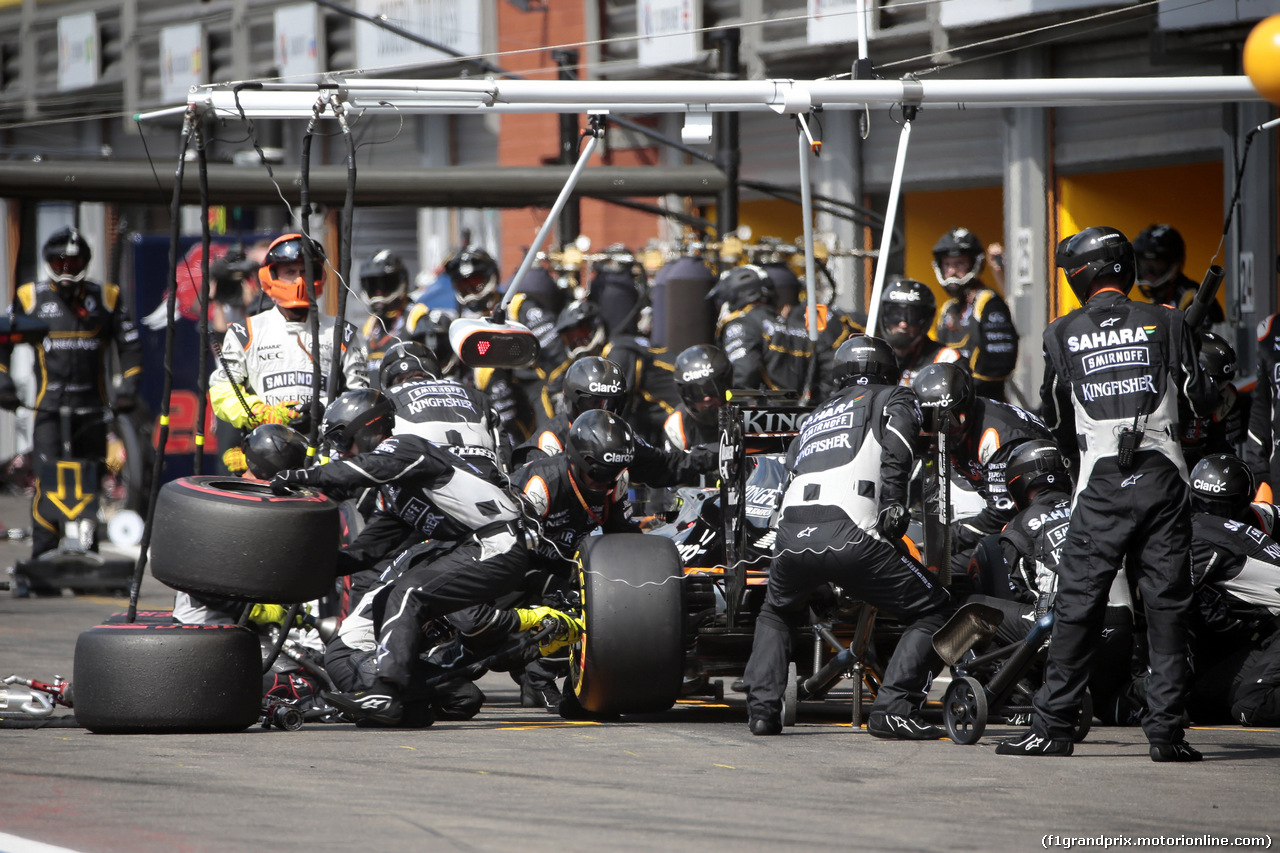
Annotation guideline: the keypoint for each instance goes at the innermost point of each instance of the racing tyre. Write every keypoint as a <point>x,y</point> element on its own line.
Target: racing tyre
<point>136,678</point>
<point>964,710</point>
<point>631,658</point>
<point>233,538</point>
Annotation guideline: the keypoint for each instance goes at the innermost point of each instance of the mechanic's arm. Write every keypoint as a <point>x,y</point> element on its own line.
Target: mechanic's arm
<point>383,536</point>
<point>902,422</point>
<point>8,390</point>
<point>745,355</point>
<point>995,352</point>
<point>389,461</point>
<point>355,358</point>
<point>621,518</point>
<point>128,348</point>
<point>230,375</point>
<point>1257,445</point>
<point>662,468</point>
<point>1057,412</point>
<point>1195,384</point>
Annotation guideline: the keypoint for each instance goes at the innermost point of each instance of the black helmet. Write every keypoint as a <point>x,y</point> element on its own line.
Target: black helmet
<point>404,361</point>
<point>909,300</point>
<point>1033,464</point>
<point>272,448</point>
<point>600,446</point>
<point>66,257</point>
<point>945,391</point>
<point>703,375</point>
<point>1095,252</point>
<point>357,420</point>
<point>384,278</point>
<point>542,287</point>
<point>474,274</point>
<point>580,327</point>
<point>593,382</point>
<point>864,360</point>
<point>741,286</point>
<point>1221,484</point>
<point>432,328</point>
<point>1217,357</point>
<point>783,282</point>
<point>958,243</point>
<point>1160,252</point>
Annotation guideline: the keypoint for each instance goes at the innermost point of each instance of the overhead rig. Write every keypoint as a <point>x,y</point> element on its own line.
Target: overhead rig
<point>781,96</point>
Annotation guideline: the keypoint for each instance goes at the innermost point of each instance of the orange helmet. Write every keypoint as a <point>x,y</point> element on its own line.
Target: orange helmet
<point>286,248</point>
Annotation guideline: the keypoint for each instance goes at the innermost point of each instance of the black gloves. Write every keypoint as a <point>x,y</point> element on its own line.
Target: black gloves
<point>704,458</point>
<point>892,521</point>
<point>285,482</point>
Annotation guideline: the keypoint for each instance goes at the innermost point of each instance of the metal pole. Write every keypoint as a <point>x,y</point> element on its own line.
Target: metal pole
<point>565,192</point>
<point>728,154</point>
<point>571,218</point>
<point>886,239</point>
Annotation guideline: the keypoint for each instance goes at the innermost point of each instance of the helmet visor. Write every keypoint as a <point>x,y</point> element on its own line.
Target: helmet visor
<point>578,335</point>
<point>381,286</point>
<point>587,402</point>
<point>67,265</point>
<point>912,315</point>
<point>598,478</point>
<point>702,396</point>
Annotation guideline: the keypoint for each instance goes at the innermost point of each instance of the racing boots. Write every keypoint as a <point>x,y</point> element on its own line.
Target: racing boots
<point>897,727</point>
<point>1034,744</point>
<point>379,704</point>
<point>1176,751</point>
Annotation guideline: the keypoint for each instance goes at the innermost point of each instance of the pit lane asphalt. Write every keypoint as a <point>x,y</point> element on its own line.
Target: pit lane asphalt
<point>519,780</point>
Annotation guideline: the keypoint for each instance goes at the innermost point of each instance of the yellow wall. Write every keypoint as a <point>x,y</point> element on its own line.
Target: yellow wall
<point>929,215</point>
<point>1188,197</point>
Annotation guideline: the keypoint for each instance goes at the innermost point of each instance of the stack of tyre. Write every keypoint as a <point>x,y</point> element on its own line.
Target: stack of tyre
<point>212,536</point>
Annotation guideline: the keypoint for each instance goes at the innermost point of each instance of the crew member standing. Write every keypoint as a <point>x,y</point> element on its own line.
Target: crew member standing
<point>84,318</point>
<point>1115,370</point>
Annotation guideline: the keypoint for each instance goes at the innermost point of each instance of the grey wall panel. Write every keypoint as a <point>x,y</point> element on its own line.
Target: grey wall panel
<point>1093,138</point>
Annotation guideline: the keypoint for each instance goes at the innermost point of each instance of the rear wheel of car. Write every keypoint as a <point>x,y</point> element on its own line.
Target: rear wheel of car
<point>139,678</point>
<point>233,538</point>
<point>631,657</point>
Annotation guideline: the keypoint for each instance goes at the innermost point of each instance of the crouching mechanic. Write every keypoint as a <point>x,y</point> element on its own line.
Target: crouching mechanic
<point>1022,566</point>
<point>426,493</point>
<point>572,493</point>
<point>265,368</point>
<point>841,513</point>
<point>1235,563</point>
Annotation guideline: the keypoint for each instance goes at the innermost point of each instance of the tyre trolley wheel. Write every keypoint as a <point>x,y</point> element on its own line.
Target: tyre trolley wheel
<point>791,696</point>
<point>964,709</point>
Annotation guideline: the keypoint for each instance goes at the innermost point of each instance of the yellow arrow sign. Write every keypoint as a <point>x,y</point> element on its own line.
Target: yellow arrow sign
<point>59,497</point>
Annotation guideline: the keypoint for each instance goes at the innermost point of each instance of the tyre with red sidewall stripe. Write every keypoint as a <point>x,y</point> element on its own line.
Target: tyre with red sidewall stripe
<point>136,678</point>
<point>233,538</point>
